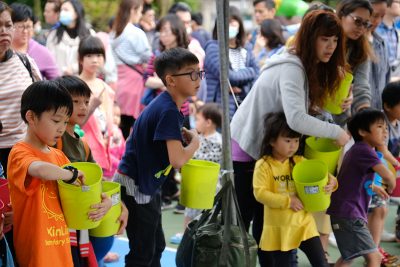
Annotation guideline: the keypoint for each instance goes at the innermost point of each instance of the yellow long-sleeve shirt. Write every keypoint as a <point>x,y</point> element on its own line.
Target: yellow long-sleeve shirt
<point>284,229</point>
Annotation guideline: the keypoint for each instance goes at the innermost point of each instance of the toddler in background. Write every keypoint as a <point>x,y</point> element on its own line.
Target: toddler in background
<point>116,145</point>
<point>208,120</point>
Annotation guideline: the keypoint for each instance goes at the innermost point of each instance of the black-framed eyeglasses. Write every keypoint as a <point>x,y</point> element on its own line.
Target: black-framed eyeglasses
<point>359,22</point>
<point>194,75</point>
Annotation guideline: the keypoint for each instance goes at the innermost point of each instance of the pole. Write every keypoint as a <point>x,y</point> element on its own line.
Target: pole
<point>222,31</point>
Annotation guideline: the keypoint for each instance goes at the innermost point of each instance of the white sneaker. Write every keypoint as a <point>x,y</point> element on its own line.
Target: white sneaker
<point>387,237</point>
<point>332,240</point>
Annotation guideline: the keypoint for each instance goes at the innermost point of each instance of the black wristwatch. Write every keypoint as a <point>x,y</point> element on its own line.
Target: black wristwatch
<point>74,174</point>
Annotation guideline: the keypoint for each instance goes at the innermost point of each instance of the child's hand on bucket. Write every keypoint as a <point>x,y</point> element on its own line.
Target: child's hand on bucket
<point>295,203</point>
<point>331,185</point>
<point>123,219</point>
<point>81,179</point>
<point>101,208</point>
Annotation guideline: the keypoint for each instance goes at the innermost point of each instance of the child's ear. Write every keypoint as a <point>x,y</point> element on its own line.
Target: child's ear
<point>362,133</point>
<point>30,116</point>
<point>170,80</point>
<point>385,107</point>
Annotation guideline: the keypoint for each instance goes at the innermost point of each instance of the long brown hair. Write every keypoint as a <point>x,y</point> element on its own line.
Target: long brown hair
<point>177,29</point>
<point>323,78</point>
<point>124,14</point>
<point>360,49</point>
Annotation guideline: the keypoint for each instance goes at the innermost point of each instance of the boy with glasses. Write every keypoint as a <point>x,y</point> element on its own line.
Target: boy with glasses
<point>152,150</point>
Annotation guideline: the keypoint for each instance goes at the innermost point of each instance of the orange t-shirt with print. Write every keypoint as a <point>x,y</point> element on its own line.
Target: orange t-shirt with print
<point>41,236</point>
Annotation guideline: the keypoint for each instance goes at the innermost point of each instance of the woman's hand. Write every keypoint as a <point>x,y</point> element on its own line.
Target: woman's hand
<point>343,138</point>
<point>331,185</point>
<point>295,203</point>
<point>123,219</point>
<point>346,104</point>
<point>100,209</point>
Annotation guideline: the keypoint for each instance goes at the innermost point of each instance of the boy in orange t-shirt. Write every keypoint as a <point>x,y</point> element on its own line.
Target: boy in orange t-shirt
<point>41,235</point>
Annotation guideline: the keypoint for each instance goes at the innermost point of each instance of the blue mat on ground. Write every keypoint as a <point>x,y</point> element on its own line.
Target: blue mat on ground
<point>121,247</point>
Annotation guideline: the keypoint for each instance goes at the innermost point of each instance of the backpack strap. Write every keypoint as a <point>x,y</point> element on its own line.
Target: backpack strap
<point>87,150</point>
<point>24,59</point>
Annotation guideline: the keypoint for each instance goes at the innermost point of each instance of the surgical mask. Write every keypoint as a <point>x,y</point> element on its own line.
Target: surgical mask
<point>233,32</point>
<point>66,18</point>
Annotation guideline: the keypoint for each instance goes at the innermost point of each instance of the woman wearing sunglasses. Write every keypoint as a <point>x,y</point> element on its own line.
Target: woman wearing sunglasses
<point>355,18</point>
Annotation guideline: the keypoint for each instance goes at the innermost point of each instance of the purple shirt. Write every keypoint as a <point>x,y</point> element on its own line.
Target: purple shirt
<point>351,200</point>
<point>44,60</point>
<point>238,154</point>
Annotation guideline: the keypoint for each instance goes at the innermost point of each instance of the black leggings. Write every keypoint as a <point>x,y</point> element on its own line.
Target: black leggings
<point>311,247</point>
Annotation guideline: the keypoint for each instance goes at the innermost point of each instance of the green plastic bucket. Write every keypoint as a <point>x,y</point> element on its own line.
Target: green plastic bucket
<point>310,177</point>
<point>199,183</point>
<point>333,104</point>
<point>109,225</point>
<point>76,200</point>
<point>324,149</point>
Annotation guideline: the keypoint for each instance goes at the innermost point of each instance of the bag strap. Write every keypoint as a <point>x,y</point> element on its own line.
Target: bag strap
<point>24,59</point>
<point>227,215</point>
<point>87,150</point>
<point>130,66</point>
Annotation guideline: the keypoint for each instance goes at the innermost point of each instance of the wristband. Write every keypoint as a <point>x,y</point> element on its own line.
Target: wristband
<point>74,174</point>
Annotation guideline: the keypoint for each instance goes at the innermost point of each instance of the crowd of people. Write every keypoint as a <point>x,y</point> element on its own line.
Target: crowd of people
<point>146,95</point>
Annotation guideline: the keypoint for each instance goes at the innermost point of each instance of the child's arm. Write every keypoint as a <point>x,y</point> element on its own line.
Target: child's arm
<point>100,209</point>
<point>47,171</point>
<point>388,155</point>
<point>262,188</point>
<point>123,219</point>
<point>332,184</point>
<point>179,155</point>
<point>387,176</point>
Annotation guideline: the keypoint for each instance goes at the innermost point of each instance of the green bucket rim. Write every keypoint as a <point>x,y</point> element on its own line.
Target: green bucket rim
<point>306,162</point>
<point>202,163</point>
<point>76,165</point>
<point>313,139</point>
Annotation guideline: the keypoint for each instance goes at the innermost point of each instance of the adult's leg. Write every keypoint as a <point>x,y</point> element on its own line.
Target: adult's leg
<point>315,253</point>
<point>244,190</point>
<point>143,231</point>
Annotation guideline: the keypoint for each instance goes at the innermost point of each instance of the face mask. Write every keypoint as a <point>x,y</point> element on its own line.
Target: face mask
<point>66,18</point>
<point>233,31</point>
<point>189,30</point>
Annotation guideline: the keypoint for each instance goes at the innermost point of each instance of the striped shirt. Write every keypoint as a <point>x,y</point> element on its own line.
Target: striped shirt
<point>14,79</point>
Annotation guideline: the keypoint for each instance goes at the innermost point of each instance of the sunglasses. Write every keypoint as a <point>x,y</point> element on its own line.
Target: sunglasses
<point>359,22</point>
<point>194,75</point>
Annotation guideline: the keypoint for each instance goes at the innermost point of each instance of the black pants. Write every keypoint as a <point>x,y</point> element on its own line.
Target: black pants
<point>4,152</point>
<point>311,247</point>
<point>145,233</point>
<point>126,125</point>
<point>250,209</point>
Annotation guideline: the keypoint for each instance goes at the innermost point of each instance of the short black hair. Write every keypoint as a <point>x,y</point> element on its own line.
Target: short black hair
<point>21,13</point>
<point>275,125</point>
<point>173,60</point>
<point>391,94</point>
<point>180,6</point>
<point>198,18</point>
<point>45,96</point>
<point>74,85</point>
<point>363,120</point>
<point>269,4</point>
<point>146,7</point>
<point>90,45</point>
<point>211,111</point>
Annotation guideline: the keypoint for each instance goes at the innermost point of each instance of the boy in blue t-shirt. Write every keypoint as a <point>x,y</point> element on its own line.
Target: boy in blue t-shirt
<point>349,204</point>
<point>153,148</point>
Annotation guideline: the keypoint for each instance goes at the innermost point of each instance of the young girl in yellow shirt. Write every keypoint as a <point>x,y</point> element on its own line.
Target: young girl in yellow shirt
<point>287,226</point>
